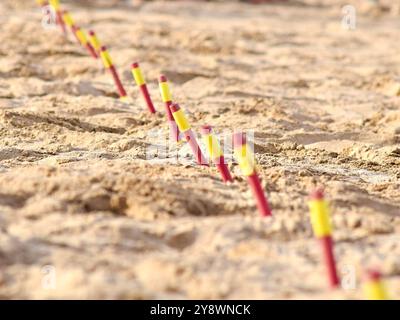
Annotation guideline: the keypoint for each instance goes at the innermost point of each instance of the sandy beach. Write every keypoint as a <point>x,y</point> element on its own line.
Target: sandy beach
<point>82,201</point>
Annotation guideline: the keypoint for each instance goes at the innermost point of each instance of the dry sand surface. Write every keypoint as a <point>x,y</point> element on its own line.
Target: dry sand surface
<point>78,194</point>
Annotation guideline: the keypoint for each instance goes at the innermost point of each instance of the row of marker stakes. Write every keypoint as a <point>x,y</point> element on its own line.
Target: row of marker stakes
<point>178,122</point>
<point>374,287</point>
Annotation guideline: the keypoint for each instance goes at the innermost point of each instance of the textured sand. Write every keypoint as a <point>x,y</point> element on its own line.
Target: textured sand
<point>78,194</point>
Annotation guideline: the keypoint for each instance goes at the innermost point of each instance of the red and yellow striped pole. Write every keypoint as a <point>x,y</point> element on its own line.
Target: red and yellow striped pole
<point>69,21</point>
<point>167,99</point>
<point>247,164</point>
<point>84,42</point>
<point>185,128</point>
<point>215,153</point>
<point>94,41</point>
<point>108,64</point>
<point>141,83</point>
<point>320,220</point>
<point>55,4</point>
<point>374,288</point>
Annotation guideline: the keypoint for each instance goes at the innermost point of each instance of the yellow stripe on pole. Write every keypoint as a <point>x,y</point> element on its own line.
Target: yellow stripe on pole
<point>212,145</point>
<point>165,92</point>
<point>55,4</point>
<point>82,37</point>
<point>320,220</point>
<point>95,42</point>
<point>105,57</point>
<point>181,120</point>
<point>375,290</point>
<point>245,158</point>
<point>137,74</point>
<point>68,20</point>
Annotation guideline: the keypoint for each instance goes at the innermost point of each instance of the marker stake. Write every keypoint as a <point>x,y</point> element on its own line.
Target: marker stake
<point>186,130</point>
<point>108,64</point>
<point>320,220</point>
<point>84,42</point>
<point>55,4</point>
<point>167,99</point>
<point>246,160</point>
<point>374,288</point>
<point>94,41</point>
<point>141,83</point>
<point>69,21</point>
<point>215,153</point>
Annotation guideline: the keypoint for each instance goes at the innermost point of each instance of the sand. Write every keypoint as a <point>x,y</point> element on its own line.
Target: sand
<point>84,212</point>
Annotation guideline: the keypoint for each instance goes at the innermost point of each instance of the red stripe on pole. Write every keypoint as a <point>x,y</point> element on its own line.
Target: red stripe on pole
<point>91,50</point>
<point>329,261</point>
<point>118,82</point>
<point>147,98</point>
<point>191,140</point>
<point>223,169</point>
<point>60,22</point>
<point>258,192</point>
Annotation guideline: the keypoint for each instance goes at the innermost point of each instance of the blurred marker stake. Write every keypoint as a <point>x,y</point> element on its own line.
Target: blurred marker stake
<point>186,129</point>
<point>108,65</point>
<point>215,153</point>
<point>374,287</point>
<point>245,158</point>
<point>141,83</point>
<point>55,4</point>
<point>320,220</point>
<point>167,99</point>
